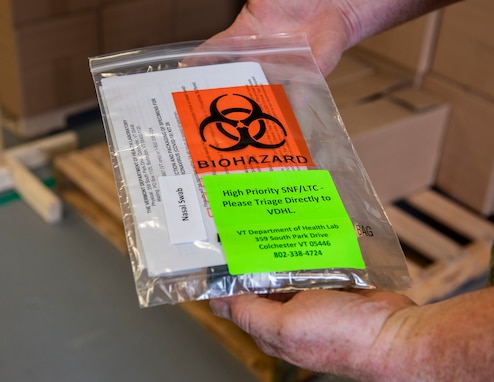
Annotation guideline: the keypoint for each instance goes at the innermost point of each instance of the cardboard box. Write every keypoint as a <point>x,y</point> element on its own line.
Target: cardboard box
<point>197,20</point>
<point>466,170</point>
<point>128,24</point>
<point>399,139</point>
<point>465,50</point>
<point>397,131</point>
<point>46,64</point>
<point>45,44</point>
<point>24,11</point>
<point>135,24</point>
<point>359,77</point>
<point>350,69</point>
<point>10,91</point>
<point>410,45</point>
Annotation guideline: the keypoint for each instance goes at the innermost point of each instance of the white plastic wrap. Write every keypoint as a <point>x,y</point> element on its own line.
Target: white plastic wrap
<point>148,99</point>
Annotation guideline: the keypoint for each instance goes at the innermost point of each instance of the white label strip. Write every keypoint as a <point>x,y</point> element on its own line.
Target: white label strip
<point>182,209</point>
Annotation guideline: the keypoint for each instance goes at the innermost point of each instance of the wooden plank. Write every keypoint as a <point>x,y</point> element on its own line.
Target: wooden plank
<point>448,212</point>
<point>2,161</point>
<point>6,181</point>
<point>443,279</point>
<point>443,274</point>
<point>109,227</point>
<point>15,173</point>
<point>414,269</point>
<point>36,153</point>
<point>39,152</point>
<point>421,237</point>
<point>101,155</point>
<point>33,191</point>
<point>93,178</point>
<point>86,183</point>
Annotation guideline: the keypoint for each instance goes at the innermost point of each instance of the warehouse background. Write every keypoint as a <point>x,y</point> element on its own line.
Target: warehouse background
<point>418,103</point>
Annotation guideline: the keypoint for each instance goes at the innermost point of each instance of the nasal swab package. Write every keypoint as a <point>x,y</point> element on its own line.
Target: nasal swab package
<point>236,174</point>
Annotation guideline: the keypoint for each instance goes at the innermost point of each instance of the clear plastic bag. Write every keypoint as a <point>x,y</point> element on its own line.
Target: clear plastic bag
<point>149,98</point>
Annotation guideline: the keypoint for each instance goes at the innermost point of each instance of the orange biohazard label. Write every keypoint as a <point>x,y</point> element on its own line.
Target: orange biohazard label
<point>241,128</point>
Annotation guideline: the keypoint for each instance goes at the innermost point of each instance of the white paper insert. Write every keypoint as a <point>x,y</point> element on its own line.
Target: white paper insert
<point>150,145</point>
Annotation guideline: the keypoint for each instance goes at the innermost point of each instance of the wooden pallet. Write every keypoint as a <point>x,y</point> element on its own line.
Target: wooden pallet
<point>15,172</point>
<point>442,265</point>
<point>85,180</point>
<point>446,244</point>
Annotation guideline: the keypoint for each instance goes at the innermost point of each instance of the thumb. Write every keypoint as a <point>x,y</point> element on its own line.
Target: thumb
<point>246,310</point>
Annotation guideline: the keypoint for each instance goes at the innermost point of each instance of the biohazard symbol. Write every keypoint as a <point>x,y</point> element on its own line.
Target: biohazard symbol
<point>239,127</point>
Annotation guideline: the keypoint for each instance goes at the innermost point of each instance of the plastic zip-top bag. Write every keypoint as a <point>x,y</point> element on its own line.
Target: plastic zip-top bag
<point>236,175</point>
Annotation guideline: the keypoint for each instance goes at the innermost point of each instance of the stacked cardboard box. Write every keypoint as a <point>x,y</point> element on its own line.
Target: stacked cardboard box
<point>465,49</point>
<point>127,24</point>
<point>419,128</point>
<point>451,54</point>
<point>463,73</point>
<point>44,45</point>
<point>397,131</point>
<point>409,46</point>
<point>44,55</point>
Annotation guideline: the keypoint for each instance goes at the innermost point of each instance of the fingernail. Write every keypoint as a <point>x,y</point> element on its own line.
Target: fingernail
<point>220,309</point>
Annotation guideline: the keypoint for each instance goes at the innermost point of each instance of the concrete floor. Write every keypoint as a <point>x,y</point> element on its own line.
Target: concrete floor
<point>69,312</point>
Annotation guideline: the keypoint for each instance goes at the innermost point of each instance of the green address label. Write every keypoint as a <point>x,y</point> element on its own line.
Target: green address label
<point>282,221</point>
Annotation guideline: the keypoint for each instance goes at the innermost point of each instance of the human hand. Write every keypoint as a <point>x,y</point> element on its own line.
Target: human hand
<point>323,24</point>
<point>331,26</point>
<point>322,330</point>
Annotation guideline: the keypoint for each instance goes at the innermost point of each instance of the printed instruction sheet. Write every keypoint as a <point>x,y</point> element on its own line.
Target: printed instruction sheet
<point>156,166</point>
